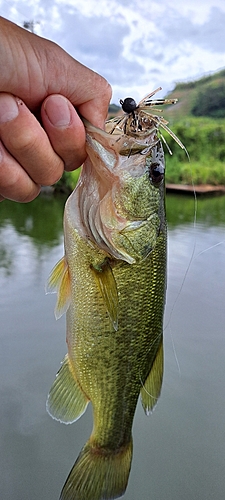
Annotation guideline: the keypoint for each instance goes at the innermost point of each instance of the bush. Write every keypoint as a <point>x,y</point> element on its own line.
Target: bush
<point>194,172</point>
<point>202,137</point>
<point>204,140</point>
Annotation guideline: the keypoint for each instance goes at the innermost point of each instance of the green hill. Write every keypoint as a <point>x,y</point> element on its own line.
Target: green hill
<point>113,110</point>
<point>208,88</point>
<point>198,119</point>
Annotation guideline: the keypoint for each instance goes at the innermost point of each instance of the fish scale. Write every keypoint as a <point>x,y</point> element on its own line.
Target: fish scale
<point>111,283</point>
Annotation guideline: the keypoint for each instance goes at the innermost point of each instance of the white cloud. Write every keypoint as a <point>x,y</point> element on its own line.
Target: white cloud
<point>136,45</point>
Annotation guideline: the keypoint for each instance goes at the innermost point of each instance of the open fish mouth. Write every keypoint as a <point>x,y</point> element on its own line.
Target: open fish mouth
<point>121,172</point>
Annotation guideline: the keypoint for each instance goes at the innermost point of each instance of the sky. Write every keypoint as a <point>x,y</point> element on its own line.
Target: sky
<point>136,45</point>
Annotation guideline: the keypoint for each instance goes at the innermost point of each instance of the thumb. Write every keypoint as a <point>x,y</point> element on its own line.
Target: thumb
<point>65,130</point>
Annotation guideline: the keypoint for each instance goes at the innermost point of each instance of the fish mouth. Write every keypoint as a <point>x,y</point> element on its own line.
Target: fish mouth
<point>116,170</point>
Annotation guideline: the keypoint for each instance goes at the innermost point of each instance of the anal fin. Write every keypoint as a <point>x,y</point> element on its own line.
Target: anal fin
<point>150,392</point>
<point>66,401</point>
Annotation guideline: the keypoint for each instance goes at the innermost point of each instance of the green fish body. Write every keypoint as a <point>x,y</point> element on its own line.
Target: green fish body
<point>112,284</point>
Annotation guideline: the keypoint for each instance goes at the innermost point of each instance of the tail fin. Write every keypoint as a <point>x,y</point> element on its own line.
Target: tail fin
<point>98,474</point>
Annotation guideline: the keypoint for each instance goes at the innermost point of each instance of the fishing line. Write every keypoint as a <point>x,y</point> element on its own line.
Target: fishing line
<point>185,274</point>
<point>210,248</point>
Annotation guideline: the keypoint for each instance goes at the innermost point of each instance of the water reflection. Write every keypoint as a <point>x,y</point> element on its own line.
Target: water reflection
<point>25,229</point>
<point>181,209</point>
<point>40,220</point>
<point>179,451</point>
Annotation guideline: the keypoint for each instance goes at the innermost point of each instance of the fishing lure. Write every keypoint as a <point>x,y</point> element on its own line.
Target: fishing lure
<point>139,119</point>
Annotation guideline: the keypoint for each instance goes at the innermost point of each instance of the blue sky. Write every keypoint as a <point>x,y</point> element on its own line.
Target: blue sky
<point>137,46</point>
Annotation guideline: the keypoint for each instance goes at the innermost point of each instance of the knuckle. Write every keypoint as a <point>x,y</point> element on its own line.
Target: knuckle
<point>23,141</point>
<point>108,90</point>
<point>52,175</point>
<point>29,195</point>
<point>9,177</point>
<point>36,156</point>
<point>101,87</point>
<point>15,184</point>
<point>13,187</point>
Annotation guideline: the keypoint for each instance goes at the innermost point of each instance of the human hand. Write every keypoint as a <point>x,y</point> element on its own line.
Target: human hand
<point>39,81</point>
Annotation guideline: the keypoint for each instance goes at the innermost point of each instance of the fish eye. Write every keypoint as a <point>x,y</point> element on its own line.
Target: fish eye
<point>156,173</point>
<point>128,105</point>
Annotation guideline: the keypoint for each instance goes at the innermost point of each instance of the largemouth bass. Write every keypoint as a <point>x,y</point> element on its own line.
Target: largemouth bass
<point>112,283</point>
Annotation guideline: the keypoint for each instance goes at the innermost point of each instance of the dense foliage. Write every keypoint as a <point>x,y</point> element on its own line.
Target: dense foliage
<point>210,101</point>
<point>204,139</point>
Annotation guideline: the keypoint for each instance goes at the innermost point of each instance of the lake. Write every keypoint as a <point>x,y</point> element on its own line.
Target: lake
<point>179,450</point>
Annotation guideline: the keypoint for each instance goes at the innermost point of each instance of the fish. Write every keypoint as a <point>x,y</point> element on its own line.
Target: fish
<point>111,283</point>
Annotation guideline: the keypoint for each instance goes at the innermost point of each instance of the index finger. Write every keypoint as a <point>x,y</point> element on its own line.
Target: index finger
<point>89,92</point>
<point>33,68</point>
<point>95,100</point>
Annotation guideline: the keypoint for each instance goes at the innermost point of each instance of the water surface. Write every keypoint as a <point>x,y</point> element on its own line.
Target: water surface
<point>179,451</point>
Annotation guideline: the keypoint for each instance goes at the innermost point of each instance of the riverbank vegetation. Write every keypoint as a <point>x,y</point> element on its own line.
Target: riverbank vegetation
<point>204,139</point>
<point>198,119</point>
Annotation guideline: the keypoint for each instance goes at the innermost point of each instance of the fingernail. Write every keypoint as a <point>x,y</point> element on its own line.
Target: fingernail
<point>58,111</point>
<point>8,108</point>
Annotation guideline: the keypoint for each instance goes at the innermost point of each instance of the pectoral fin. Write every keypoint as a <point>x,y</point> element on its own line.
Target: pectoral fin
<point>150,392</point>
<point>59,281</point>
<point>66,401</point>
<point>107,285</point>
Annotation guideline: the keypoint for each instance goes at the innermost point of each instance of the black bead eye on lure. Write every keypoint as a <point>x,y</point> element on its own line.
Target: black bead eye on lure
<point>128,105</point>
<point>136,116</point>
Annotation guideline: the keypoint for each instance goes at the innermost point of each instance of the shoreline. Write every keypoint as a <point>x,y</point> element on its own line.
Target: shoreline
<point>172,188</point>
<point>199,189</point>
